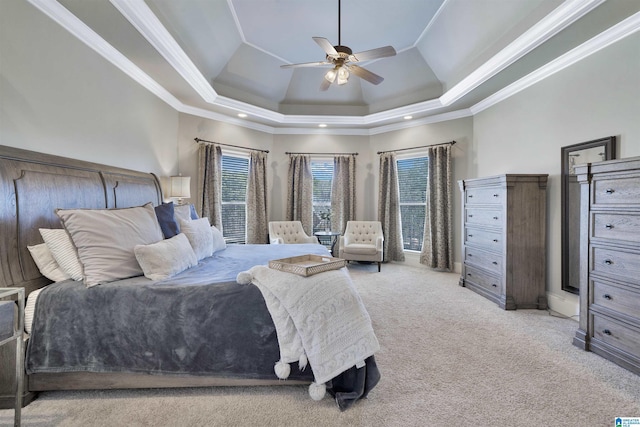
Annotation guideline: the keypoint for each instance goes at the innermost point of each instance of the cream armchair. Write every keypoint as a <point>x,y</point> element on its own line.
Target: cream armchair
<point>362,241</point>
<point>289,232</point>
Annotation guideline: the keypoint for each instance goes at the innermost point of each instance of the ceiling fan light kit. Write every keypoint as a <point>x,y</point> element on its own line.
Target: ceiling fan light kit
<point>342,59</point>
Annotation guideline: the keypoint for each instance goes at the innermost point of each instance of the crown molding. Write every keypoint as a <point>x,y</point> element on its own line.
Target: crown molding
<point>563,16</point>
<point>147,23</point>
<point>151,28</point>
<point>612,35</point>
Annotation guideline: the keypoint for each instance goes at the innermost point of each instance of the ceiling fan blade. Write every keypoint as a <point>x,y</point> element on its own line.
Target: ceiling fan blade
<point>326,46</point>
<point>365,74</point>
<point>325,84</point>
<point>307,64</point>
<point>367,55</point>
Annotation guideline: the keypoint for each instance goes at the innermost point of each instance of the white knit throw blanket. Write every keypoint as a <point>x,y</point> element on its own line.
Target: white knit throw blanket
<point>320,316</point>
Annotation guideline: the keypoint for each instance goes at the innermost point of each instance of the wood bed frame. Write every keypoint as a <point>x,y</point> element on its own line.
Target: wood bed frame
<point>32,186</point>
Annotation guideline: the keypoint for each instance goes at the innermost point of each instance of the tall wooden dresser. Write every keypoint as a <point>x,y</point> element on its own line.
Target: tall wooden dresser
<point>504,239</point>
<point>610,261</point>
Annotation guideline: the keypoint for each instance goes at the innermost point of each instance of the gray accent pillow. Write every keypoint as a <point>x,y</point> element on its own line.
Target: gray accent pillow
<point>166,258</point>
<point>198,231</point>
<point>105,238</point>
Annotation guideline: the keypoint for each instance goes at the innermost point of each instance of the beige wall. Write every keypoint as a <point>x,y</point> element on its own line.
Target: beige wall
<point>595,98</point>
<point>58,96</point>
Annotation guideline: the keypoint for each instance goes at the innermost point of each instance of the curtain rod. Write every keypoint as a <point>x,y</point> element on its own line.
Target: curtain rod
<point>229,145</point>
<point>413,148</point>
<point>325,154</point>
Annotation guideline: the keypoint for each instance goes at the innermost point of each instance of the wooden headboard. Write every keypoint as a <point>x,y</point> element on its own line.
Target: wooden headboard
<point>33,185</point>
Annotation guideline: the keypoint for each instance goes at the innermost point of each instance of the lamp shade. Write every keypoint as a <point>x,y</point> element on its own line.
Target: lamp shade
<point>180,187</point>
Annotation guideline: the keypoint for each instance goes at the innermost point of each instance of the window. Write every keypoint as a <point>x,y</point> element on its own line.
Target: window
<point>235,173</point>
<point>322,171</point>
<point>412,180</point>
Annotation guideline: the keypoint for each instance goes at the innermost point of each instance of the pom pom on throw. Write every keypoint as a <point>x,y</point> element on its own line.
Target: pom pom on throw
<point>302,363</point>
<point>282,370</point>
<point>244,278</point>
<point>317,391</point>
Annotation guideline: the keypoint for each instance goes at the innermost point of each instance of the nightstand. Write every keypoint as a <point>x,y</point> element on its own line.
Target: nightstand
<point>12,328</point>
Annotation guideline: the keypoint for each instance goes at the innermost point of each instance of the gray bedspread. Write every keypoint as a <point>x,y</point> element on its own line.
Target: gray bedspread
<point>199,322</point>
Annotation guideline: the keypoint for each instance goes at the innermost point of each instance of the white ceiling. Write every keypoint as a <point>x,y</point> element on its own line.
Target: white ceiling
<point>218,58</point>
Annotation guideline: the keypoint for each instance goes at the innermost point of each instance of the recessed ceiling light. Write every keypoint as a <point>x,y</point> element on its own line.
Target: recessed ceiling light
<point>408,117</point>
<point>322,125</point>
<point>242,115</point>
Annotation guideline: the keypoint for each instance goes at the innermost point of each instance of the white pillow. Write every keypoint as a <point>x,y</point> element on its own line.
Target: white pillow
<point>105,238</point>
<point>166,258</point>
<point>218,240</point>
<point>46,263</point>
<point>183,213</point>
<point>198,231</point>
<point>63,251</point>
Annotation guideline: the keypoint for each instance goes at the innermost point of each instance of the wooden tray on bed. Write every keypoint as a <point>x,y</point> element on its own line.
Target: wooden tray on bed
<point>307,265</point>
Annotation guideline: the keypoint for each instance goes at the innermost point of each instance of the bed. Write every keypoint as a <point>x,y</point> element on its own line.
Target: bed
<point>226,337</point>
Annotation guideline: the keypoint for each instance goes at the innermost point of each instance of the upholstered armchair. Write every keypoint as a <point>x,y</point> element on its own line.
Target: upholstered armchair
<point>362,241</point>
<point>289,232</point>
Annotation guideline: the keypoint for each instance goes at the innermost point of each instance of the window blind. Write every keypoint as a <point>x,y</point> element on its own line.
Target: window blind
<point>322,172</point>
<point>413,174</point>
<point>235,173</point>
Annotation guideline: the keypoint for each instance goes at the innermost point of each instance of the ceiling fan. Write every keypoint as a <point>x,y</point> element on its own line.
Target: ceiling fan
<point>342,59</point>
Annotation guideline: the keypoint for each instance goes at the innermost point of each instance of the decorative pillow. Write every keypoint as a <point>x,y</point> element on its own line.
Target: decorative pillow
<point>105,239</point>
<point>166,258</point>
<point>185,212</point>
<point>166,219</point>
<point>46,263</point>
<point>63,251</point>
<point>218,240</point>
<point>198,231</point>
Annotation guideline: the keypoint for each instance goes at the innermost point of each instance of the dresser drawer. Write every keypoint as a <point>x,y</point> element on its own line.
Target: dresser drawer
<point>480,278</point>
<point>479,216</point>
<point>615,262</point>
<point>614,226</point>
<point>616,334</point>
<point>490,195</point>
<point>625,191</point>
<point>487,260</point>
<point>621,299</point>
<point>488,239</point>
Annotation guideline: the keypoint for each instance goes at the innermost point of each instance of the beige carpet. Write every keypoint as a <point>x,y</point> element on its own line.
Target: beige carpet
<point>448,357</point>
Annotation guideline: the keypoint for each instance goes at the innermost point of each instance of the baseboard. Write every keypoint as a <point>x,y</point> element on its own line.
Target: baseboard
<point>412,258</point>
<point>567,306</point>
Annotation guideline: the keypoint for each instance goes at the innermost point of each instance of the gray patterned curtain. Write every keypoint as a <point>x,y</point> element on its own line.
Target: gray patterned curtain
<point>437,246</point>
<point>257,224</point>
<point>210,177</point>
<point>300,197</point>
<point>389,208</point>
<point>343,192</point>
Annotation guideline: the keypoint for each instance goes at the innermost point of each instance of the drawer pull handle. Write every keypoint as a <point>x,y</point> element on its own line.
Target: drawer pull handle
<point>470,235</point>
<point>469,274</point>
<point>606,296</point>
<point>471,196</point>
<point>495,263</point>
<point>495,217</point>
<point>609,191</point>
<point>470,216</point>
<point>608,226</point>
<point>608,262</point>
<point>606,332</point>
<point>494,285</point>
<point>495,240</point>
<point>496,195</point>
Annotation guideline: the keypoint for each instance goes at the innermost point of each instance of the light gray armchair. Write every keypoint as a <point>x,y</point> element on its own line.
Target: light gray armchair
<point>289,232</point>
<point>362,241</point>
